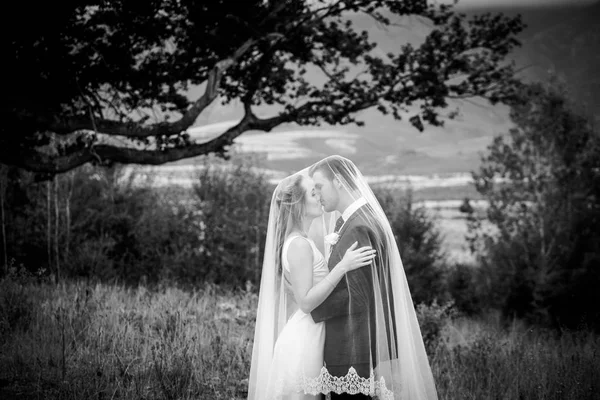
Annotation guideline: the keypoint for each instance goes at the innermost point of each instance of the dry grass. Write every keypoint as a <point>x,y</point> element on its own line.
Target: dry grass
<point>104,342</point>
<point>75,341</point>
<point>482,360</point>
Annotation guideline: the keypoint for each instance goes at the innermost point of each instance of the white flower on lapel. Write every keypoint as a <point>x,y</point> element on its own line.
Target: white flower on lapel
<point>332,238</point>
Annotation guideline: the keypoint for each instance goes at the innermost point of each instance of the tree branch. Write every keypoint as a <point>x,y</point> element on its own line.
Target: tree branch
<point>136,130</point>
<point>39,161</point>
<point>312,109</point>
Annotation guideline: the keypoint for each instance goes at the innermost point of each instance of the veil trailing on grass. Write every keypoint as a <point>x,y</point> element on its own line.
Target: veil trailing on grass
<point>373,343</point>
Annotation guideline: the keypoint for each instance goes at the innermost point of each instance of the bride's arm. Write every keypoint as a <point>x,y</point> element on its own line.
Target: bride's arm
<point>300,259</point>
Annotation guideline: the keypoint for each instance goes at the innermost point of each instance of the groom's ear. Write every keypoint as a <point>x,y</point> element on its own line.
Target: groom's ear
<point>336,183</point>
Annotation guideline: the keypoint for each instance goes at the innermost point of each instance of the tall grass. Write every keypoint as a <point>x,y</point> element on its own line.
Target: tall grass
<point>488,361</point>
<point>102,342</point>
<point>78,341</point>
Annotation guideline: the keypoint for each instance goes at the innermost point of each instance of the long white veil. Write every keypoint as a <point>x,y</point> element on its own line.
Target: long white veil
<point>370,317</point>
<point>275,300</point>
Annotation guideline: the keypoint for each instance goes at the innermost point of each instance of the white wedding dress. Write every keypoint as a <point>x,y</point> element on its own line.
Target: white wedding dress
<point>298,353</point>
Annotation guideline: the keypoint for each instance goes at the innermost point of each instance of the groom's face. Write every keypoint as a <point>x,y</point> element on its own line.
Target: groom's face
<point>327,191</point>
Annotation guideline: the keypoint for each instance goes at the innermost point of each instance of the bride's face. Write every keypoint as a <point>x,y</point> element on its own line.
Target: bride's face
<point>312,204</point>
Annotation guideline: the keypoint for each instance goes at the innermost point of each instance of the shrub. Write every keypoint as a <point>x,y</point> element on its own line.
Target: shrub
<point>16,306</point>
<point>433,319</point>
<point>234,205</point>
<point>463,288</point>
<point>419,242</point>
<point>103,225</point>
<point>111,228</point>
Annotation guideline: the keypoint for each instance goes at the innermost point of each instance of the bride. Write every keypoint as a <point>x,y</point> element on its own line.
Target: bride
<point>297,357</point>
<point>335,316</point>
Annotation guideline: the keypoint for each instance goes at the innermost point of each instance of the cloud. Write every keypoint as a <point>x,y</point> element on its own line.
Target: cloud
<point>346,146</point>
<point>280,144</point>
<point>207,132</point>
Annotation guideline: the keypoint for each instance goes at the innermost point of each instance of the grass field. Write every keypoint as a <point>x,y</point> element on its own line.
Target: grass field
<point>78,341</point>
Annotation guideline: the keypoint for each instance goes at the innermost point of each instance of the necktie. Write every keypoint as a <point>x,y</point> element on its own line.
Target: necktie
<point>338,224</point>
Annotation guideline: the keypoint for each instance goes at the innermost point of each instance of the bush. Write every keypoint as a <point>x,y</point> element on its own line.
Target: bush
<point>463,288</point>
<point>102,224</point>
<point>16,306</point>
<point>419,242</point>
<point>111,228</point>
<point>234,205</point>
<point>433,319</point>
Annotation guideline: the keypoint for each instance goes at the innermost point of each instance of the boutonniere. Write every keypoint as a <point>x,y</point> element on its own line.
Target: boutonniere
<point>332,238</point>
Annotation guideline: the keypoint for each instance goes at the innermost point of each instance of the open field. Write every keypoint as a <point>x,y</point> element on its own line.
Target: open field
<point>78,341</point>
<point>452,224</point>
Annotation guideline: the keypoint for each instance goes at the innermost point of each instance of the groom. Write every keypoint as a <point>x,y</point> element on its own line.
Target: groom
<point>348,312</point>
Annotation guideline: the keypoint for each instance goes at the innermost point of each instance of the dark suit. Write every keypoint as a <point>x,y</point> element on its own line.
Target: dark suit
<point>348,312</point>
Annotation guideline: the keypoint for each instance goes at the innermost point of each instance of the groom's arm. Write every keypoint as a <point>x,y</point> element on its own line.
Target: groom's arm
<point>352,296</point>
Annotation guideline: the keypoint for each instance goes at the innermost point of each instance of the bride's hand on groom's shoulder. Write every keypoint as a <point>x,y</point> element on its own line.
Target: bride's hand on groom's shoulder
<point>355,258</point>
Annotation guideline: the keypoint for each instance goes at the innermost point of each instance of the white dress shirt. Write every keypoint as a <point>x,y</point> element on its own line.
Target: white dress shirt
<point>352,208</point>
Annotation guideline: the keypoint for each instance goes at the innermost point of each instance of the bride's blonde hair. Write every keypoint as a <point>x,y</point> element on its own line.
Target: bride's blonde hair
<point>291,208</point>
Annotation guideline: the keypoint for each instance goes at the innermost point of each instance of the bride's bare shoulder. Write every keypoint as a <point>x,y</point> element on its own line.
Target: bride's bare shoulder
<point>298,243</point>
<point>299,247</point>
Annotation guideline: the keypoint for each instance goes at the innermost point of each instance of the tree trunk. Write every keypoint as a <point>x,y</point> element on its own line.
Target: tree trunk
<point>68,213</point>
<point>49,226</point>
<point>3,185</point>
<point>56,217</point>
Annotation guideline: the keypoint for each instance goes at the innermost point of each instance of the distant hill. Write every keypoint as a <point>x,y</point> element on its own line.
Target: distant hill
<point>560,41</point>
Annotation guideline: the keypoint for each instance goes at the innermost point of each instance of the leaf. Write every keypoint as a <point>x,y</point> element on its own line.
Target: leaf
<point>415,121</point>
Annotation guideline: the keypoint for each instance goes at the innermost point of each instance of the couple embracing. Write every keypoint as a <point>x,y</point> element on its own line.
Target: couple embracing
<point>335,318</point>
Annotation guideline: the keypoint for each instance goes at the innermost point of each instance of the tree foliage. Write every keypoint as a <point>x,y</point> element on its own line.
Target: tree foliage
<point>420,245</point>
<point>543,186</point>
<point>114,226</point>
<point>233,203</point>
<point>107,81</point>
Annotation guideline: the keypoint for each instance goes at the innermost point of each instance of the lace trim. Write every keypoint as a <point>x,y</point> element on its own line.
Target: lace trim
<point>325,383</point>
<point>351,383</point>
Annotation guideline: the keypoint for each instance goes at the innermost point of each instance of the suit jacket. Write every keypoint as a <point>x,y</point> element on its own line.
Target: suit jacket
<point>348,312</point>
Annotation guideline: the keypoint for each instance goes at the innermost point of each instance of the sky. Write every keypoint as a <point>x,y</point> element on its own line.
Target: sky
<point>518,3</point>
<point>470,4</point>
<point>512,3</point>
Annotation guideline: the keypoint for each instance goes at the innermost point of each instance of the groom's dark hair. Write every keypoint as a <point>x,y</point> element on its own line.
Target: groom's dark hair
<point>335,166</point>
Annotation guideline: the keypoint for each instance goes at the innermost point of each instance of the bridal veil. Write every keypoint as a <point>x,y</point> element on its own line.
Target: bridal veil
<point>398,365</point>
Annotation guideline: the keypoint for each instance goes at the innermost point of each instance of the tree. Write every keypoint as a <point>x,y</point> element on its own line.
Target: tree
<point>106,81</point>
<point>542,182</point>
<point>419,242</point>
<point>233,241</point>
